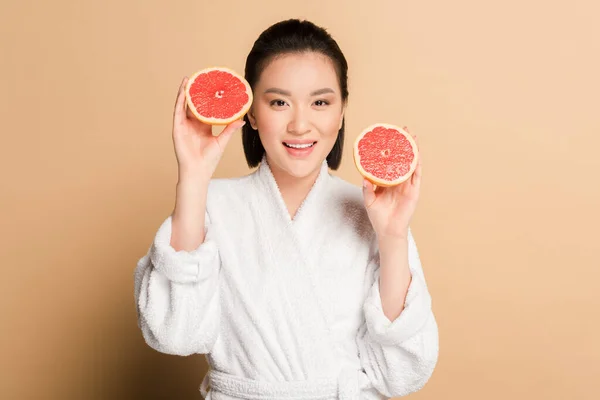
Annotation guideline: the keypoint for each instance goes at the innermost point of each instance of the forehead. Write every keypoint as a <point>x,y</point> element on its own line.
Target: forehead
<point>300,72</point>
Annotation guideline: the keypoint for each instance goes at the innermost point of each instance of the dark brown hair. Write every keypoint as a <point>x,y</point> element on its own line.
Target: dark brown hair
<point>292,36</point>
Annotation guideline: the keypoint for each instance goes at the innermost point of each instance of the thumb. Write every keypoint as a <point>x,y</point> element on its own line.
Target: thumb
<point>368,193</point>
<point>224,136</point>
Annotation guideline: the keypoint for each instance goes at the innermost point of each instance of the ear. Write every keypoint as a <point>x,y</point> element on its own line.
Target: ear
<point>252,119</point>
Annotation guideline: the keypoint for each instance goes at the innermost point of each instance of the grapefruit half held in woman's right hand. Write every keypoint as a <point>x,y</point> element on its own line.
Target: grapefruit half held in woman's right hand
<point>197,150</point>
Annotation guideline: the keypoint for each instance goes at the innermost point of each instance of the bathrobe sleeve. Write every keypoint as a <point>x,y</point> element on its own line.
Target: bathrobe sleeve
<point>399,356</point>
<point>176,294</point>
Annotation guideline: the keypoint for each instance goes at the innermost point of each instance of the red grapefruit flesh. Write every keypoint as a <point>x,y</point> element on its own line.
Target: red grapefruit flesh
<point>385,154</point>
<point>218,96</point>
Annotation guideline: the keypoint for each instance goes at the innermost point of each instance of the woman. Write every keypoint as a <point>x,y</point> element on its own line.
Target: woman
<point>292,282</point>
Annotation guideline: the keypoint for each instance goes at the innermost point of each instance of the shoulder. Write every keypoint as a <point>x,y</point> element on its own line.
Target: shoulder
<point>227,190</point>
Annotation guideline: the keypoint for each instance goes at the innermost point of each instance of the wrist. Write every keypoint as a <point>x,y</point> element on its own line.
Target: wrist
<point>194,172</point>
<point>387,243</point>
<point>191,189</point>
<point>396,237</point>
<point>192,179</point>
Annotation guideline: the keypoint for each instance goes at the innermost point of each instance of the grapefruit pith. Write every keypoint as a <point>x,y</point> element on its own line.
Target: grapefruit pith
<point>385,154</point>
<point>218,95</point>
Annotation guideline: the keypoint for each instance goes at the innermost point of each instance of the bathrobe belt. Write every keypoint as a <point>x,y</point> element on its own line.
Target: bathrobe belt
<point>345,387</point>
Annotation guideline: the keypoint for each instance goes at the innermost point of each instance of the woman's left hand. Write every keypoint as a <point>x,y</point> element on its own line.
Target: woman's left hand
<point>390,209</point>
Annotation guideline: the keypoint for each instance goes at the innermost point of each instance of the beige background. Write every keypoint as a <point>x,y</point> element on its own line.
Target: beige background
<point>505,99</point>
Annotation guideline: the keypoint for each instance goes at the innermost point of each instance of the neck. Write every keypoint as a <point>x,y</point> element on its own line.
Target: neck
<point>293,189</point>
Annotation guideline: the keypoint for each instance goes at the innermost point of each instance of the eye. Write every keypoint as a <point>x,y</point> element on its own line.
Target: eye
<point>321,103</point>
<point>278,103</point>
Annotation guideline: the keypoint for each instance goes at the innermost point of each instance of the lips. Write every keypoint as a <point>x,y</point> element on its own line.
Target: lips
<point>299,149</point>
<point>299,145</point>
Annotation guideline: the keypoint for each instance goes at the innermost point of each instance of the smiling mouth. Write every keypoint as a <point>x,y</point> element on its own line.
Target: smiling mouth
<point>299,146</point>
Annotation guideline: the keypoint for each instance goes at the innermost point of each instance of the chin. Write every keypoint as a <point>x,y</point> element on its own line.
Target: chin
<point>299,168</point>
<point>300,171</point>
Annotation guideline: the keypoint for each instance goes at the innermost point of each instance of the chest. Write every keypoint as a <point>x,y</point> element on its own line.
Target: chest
<point>311,267</point>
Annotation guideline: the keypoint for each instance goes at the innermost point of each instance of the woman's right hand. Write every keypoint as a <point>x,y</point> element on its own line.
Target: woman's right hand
<point>198,152</point>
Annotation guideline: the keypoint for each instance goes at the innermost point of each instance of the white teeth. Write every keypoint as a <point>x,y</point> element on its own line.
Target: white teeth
<point>299,146</point>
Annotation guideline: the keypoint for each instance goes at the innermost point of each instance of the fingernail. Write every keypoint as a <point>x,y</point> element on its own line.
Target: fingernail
<point>364,183</point>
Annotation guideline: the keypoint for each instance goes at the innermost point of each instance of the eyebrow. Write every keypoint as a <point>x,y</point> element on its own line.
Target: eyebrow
<point>286,93</point>
<point>322,91</point>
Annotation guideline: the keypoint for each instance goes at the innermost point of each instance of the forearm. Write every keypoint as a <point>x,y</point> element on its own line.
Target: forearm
<point>395,275</point>
<point>188,215</point>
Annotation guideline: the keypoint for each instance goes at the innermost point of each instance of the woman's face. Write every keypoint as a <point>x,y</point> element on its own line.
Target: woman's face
<point>298,111</point>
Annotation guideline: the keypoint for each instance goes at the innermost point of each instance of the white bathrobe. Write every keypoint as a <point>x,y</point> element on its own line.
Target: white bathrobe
<point>286,309</point>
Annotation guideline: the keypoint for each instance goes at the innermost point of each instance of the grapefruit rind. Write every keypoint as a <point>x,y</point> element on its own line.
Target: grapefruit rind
<point>373,179</point>
<point>218,121</point>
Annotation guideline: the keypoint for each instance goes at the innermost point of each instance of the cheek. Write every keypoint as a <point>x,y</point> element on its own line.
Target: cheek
<point>270,124</point>
<point>328,123</point>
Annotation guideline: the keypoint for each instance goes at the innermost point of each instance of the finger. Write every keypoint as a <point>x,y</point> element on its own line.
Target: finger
<point>188,111</point>
<point>226,134</point>
<point>229,129</point>
<point>416,178</point>
<point>417,173</point>
<point>414,136</point>
<point>418,151</point>
<point>416,181</point>
<point>179,111</point>
<point>368,193</point>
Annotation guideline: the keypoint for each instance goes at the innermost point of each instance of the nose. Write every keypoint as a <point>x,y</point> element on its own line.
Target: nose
<point>300,123</point>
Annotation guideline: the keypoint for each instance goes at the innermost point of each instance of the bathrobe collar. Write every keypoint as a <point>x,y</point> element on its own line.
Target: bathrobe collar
<point>309,206</point>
